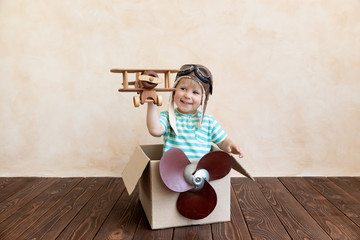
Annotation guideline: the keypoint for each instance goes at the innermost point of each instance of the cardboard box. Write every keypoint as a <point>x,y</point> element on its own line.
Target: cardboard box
<point>159,202</point>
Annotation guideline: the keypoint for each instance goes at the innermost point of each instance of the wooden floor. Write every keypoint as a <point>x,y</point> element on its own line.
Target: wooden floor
<point>99,208</point>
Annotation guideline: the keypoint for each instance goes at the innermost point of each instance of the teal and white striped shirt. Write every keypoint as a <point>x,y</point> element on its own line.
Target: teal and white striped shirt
<point>194,142</point>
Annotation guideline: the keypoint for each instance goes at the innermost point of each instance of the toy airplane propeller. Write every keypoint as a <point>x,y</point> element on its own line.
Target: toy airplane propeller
<point>197,197</point>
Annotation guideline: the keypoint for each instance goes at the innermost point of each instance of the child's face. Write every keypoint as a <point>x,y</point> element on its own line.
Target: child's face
<point>188,95</point>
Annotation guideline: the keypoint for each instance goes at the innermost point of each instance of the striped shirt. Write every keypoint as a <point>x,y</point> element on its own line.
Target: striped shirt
<point>194,142</point>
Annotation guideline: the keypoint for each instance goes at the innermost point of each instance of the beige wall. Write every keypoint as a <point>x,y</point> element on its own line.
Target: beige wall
<point>287,81</point>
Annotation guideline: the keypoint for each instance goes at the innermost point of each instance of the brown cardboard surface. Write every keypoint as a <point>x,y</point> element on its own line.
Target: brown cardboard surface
<point>134,169</point>
<point>138,162</point>
<point>235,164</point>
<point>159,202</point>
<point>237,167</point>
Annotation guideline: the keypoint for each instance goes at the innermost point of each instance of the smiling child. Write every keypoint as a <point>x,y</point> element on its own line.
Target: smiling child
<point>187,126</point>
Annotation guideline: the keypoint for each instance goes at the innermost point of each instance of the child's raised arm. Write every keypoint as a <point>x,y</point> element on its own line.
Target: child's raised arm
<point>153,121</point>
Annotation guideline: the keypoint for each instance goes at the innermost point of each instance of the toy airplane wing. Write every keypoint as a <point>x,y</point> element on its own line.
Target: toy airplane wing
<point>134,70</point>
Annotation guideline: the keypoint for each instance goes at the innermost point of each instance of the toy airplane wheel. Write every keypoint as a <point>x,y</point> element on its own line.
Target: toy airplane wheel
<point>159,100</point>
<point>136,101</point>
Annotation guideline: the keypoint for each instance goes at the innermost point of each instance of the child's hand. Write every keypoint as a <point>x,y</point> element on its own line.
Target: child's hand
<point>232,148</point>
<point>228,146</point>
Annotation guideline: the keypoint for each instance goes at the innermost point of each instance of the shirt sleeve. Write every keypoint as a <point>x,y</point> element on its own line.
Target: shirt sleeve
<point>218,134</point>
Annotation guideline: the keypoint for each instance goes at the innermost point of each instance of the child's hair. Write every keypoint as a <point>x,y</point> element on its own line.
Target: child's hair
<point>203,77</point>
<point>194,83</point>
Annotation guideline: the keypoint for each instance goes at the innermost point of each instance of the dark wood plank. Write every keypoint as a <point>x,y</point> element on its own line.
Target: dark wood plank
<point>337,196</point>
<point>123,219</point>
<point>223,230</point>
<point>298,223</point>
<point>236,228</point>
<point>17,223</point>
<point>10,186</point>
<point>144,231</point>
<point>5,181</point>
<point>57,218</point>
<point>193,232</point>
<point>333,221</point>
<point>262,222</point>
<point>349,184</point>
<point>89,220</point>
<point>19,199</point>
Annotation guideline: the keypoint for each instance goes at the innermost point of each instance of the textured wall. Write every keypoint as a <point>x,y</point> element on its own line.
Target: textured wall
<point>286,81</point>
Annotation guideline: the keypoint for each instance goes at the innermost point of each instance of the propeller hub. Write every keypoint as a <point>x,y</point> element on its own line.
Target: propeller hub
<point>196,179</point>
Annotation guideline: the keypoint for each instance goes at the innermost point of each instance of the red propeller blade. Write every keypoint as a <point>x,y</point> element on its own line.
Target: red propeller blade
<point>197,205</point>
<point>217,163</point>
<point>172,165</point>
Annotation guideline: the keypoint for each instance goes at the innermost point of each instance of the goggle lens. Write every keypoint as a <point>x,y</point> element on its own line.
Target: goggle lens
<point>186,67</point>
<point>204,72</point>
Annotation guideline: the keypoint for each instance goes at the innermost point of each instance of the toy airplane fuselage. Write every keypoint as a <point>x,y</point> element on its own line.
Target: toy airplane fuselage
<point>145,84</point>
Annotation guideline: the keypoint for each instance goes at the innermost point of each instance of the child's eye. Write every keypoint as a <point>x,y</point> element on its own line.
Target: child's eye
<point>196,93</point>
<point>183,88</point>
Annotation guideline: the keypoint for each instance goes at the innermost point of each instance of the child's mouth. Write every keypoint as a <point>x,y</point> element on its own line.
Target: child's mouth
<point>186,103</point>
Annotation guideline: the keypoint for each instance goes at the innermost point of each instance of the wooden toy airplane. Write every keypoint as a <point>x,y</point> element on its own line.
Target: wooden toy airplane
<point>145,84</point>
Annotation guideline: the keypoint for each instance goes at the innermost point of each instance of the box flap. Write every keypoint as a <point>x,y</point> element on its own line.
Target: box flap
<point>134,169</point>
<point>237,167</point>
<point>153,151</point>
<point>235,164</point>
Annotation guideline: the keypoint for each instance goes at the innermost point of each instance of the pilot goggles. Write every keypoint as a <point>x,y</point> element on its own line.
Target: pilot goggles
<point>200,72</point>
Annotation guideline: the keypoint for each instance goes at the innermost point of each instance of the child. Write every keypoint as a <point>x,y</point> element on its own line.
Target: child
<point>186,127</point>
